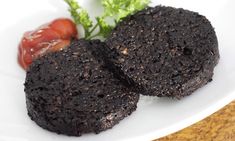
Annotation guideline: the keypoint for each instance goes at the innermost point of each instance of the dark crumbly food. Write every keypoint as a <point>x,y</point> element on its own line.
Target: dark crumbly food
<point>164,51</point>
<point>70,92</point>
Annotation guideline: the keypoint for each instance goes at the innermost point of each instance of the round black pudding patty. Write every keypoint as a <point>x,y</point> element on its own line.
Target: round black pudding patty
<point>70,92</point>
<point>164,51</point>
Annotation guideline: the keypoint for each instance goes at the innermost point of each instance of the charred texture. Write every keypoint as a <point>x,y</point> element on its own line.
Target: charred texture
<point>164,51</point>
<point>71,92</point>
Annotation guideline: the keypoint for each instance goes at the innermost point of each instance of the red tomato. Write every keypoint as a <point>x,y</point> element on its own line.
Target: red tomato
<point>59,26</point>
<point>47,38</point>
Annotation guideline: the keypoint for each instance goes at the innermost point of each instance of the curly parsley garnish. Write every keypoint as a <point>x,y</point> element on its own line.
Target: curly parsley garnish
<point>113,9</point>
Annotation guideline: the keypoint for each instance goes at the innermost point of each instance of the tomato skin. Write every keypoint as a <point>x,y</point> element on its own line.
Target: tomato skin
<point>53,46</point>
<point>50,37</point>
<point>59,24</point>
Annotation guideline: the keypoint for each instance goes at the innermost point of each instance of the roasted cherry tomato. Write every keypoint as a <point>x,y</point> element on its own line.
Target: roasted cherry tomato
<point>50,37</point>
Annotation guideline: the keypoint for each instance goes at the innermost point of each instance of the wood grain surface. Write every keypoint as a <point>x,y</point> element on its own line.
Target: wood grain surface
<point>218,127</point>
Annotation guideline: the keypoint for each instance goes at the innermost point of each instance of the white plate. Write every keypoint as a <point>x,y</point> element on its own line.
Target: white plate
<point>154,117</point>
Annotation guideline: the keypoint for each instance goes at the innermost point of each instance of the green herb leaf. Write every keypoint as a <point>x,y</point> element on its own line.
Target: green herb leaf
<point>113,9</point>
<point>119,9</point>
<point>105,28</point>
<point>80,16</point>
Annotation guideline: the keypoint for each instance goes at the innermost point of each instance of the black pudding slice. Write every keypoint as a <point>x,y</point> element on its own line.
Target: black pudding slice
<point>164,51</point>
<point>70,92</point>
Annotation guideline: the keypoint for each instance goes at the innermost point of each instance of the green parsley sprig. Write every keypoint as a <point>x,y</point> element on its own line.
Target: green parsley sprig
<point>113,9</point>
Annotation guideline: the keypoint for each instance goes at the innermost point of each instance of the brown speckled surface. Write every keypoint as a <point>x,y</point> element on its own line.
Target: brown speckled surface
<point>218,127</point>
